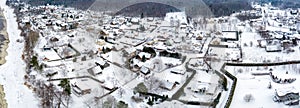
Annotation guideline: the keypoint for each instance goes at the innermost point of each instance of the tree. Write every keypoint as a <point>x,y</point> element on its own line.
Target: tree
<point>142,28</point>
<point>150,101</point>
<point>109,103</point>
<point>121,92</point>
<point>294,42</point>
<point>240,70</point>
<point>34,61</point>
<point>65,84</point>
<point>270,85</point>
<point>283,38</point>
<point>103,50</point>
<point>150,50</point>
<point>143,58</point>
<point>141,88</point>
<point>248,97</point>
<point>142,15</point>
<point>33,38</point>
<point>122,104</point>
<point>153,84</point>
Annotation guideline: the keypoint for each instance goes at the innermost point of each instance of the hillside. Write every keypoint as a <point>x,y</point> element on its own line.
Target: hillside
<point>284,3</point>
<point>227,7</point>
<point>207,8</point>
<point>149,9</point>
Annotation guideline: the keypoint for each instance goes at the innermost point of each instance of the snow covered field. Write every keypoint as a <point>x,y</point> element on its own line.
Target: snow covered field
<point>13,71</point>
<point>254,54</point>
<point>257,86</point>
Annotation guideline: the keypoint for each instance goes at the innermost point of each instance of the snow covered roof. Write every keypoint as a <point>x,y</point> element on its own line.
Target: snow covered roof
<point>229,35</point>
<point>181,16</point>
<point>178,71</point>
<point>26,20</point>
<point>285,91</point>
<point>147,55</point>
<point>81,83</point>
<point>134,20</point>
<point>108,85</point>
<point>271,48</point>
<point>167,85</point>
<point>145,70</point>
<point>97,69</point>
<point>173,78</point>
<point>130,50</point>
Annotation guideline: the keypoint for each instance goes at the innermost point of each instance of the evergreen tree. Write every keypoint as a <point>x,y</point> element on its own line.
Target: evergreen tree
<point>142,15</point>
<point>143,58</point>
<point>65,84</point>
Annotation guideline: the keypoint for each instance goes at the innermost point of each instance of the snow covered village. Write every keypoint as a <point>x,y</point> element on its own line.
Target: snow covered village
<point>62,57</point>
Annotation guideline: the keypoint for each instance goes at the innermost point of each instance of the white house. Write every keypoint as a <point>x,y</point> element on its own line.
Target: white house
<point>176,16</point>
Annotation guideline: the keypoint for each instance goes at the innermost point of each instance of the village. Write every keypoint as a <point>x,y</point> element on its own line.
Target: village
<point>95,59</point>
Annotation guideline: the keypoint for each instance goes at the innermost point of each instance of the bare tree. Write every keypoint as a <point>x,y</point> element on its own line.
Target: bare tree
<point>121,91</point>
<point>153,83</point>
<point>248,97</point>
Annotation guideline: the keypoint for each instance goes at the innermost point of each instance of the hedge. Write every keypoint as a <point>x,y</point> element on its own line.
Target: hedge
<point>234,79</point>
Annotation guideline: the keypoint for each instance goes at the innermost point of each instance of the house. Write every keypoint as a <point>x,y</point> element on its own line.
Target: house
<point>144,54</point>
<point>196,62</point>
<point>65,51</point>
<point>130,51</point>
<point>95,70</point>
<point>108,85</point>
<point>135,21</point>
<point>167,85</point>
<point>26,21</point>
<point>81,88</point>
<point>287,95</point>
<point>273,48</point>
<point>144,70</point>
<point>174,78</point>
<point>176,16</point>
<point>102,64</point>
<point>229,36</point>
<point>200,88</point>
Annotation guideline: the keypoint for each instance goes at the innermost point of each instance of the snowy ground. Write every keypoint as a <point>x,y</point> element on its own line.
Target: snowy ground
<point>255,54</point>
<point>258,85</point>
<point>13,71</point>
<point>203,79</point>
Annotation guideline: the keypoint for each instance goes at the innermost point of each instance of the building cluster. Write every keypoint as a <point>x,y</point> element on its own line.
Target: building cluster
<point>98,52</point>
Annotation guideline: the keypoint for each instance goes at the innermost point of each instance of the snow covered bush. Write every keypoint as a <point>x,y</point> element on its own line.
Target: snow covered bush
<point>248,97</point>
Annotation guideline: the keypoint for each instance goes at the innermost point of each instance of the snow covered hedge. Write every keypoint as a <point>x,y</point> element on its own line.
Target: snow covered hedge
<point>234,79</point>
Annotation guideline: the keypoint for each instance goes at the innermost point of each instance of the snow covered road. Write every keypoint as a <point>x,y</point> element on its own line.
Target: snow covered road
<point>12,72</point>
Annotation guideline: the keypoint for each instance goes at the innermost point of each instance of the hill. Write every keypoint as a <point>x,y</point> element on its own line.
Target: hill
<point>193,8</point>
<point>227,7</point>
<point>149,9</point>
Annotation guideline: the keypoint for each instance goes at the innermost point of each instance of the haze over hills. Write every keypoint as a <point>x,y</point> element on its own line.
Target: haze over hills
<point>191,7</point>
<point>282,3</point>
<point>150,9</point>
<point>206,8</point>
<point>227,7</point>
